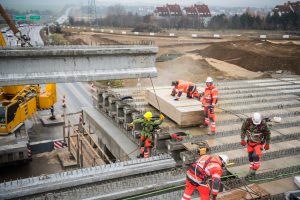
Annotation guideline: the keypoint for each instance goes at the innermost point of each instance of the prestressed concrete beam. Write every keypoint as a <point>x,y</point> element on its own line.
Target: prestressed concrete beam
<point>81,177</point>
<point>76,63</point>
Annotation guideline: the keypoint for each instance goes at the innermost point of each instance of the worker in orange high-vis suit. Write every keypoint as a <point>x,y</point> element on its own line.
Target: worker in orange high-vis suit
<point>187,87</point>
<point>256,134</point>
<point>209,100</point>
<point>197,175</point>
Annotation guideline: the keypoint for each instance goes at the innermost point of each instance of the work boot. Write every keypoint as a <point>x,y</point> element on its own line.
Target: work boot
<point>140,156</point>
<point>251,174</point>
<point>211,133</point>
<point>203,126</point>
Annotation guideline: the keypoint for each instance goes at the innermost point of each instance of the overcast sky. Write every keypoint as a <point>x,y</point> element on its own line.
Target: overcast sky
<point>229,3</point>
<point>32,4</point>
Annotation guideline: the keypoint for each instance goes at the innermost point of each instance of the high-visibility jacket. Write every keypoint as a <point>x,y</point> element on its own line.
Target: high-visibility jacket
<point>205,167</point>
<point>183,86</point>
<point>210,96</point>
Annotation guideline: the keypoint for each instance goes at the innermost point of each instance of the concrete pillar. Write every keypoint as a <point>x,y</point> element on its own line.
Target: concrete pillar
<point>112,106</point>
<point>105,102</point>
<point>120,112</point>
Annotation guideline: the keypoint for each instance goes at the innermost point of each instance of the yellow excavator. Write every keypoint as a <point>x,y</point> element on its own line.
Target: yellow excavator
<point>19,103</point>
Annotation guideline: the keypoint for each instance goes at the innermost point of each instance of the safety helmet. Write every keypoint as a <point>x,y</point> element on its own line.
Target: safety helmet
<point>256,118</point>
<point>209,80</point>
<point>174,83</point>
<point>148,115</point>
<point>224,159</point>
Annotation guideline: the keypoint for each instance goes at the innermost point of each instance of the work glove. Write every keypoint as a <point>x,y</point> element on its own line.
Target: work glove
<point>243,143</point>
<point>267,147</point>
<point>161,117</point>
<point>173,93</point>
<point>176,137</point>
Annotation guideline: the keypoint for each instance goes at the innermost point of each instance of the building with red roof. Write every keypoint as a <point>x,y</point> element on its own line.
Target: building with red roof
<point>287,8</point>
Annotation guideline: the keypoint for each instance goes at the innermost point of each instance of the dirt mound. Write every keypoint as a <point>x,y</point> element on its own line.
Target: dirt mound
<point>256,55</point>
<point>78,41</point>
<point>103,40</point>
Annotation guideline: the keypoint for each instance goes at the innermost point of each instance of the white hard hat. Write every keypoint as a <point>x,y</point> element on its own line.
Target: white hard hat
<point>256,118</point>
<point>224,159</point>
<point>209,80</point>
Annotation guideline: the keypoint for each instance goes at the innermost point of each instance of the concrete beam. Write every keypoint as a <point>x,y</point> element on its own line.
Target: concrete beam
<point>75,64</point>
<point>83,176</point>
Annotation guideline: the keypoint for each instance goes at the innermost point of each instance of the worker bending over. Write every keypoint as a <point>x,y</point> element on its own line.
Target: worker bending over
<point>258,137</point>
<point>148,127</point>
<point>182,86</point>
<point>209,100</point>
<point>197,175</point>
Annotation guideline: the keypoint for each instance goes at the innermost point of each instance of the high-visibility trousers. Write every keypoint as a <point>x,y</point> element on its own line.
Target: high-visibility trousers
<point>254,155</point>
<point>145,146</point>
<point>210,118</point>
<point>203,190</point>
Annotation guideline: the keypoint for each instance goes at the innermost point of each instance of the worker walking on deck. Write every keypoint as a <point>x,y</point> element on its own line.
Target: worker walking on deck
<point>257,134</point>
<point>197,175</point>
<point>187,87</point>
<point>209,100</point>
<point>148,127</point>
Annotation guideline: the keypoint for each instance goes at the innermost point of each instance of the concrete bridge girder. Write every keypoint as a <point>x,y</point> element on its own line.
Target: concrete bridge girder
<point>75,64</point>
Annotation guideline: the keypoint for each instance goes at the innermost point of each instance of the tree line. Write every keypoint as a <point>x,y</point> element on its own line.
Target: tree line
<point>116,16</point>
<point>273,21</point>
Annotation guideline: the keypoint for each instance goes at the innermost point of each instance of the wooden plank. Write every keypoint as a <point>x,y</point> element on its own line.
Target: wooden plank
<point>255,192</point>
<point>185,112</point>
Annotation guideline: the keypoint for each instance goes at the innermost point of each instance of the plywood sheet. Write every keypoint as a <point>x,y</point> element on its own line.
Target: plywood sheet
<point>185,112</point>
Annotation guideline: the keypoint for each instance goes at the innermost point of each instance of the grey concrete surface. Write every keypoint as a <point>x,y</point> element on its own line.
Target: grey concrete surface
<point>110,135</point>
<point>75,64</point>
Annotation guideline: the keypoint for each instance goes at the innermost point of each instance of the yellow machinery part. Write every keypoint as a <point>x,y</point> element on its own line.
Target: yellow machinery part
<point>48,98</point>
<point>12,90</point>
<point>2,41</point>
<point>202,151</point>
<point>17,114</point>
<point>23,104</point>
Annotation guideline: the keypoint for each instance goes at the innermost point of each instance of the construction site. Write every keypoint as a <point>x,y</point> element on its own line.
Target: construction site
<point>72,117</point>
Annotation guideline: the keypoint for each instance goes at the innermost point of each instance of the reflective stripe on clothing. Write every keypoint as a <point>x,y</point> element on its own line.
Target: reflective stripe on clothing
<point>216,176</point>
<point>195,180</point>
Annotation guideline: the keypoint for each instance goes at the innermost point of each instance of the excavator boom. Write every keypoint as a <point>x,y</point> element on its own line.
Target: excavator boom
<point>24,39</point>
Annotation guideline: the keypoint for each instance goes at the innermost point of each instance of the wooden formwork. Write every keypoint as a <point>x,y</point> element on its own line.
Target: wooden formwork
<point>81,145</point>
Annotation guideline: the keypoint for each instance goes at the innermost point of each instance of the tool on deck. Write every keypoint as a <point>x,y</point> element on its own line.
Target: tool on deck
<point>198,148</point>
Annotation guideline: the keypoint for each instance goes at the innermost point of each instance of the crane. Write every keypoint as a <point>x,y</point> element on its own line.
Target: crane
<point>25,40</point>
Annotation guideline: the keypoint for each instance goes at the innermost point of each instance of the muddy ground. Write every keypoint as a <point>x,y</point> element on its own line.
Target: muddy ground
<point>256,55</point>
<point>186,58</point>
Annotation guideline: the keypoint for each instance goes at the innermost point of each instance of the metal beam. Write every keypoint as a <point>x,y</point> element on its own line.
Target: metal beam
<point>76,63</point>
